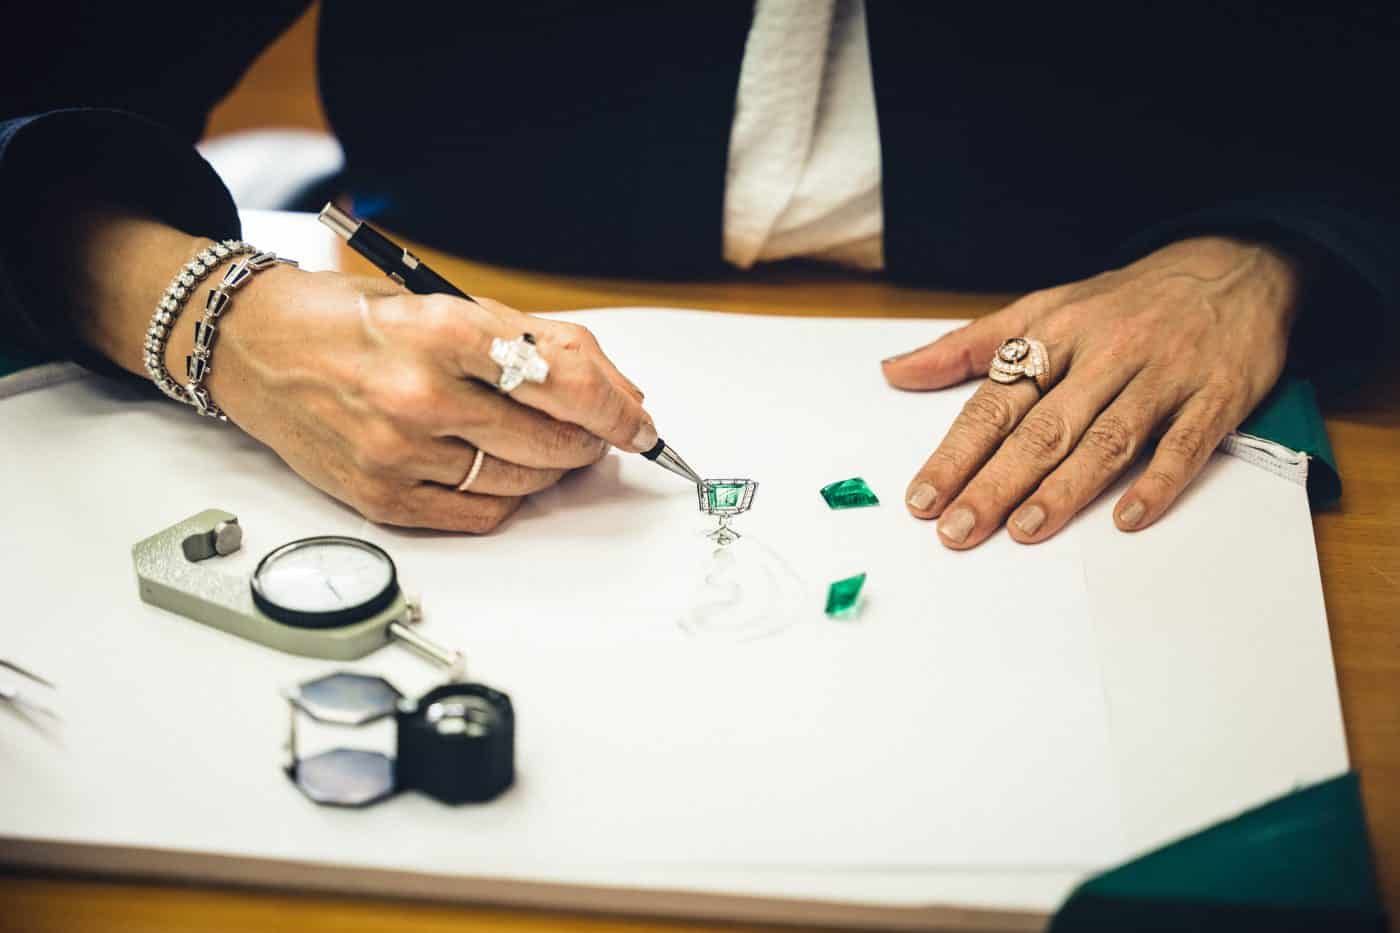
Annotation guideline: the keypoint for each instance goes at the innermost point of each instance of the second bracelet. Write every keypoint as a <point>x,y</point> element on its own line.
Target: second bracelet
<point>220,297</point>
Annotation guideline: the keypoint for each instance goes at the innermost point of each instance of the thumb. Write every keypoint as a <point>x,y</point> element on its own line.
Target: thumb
<point>958,355</point>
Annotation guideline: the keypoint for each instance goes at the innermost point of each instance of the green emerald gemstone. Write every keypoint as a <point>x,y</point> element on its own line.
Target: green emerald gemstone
<point>849,494</point>
<point>726,495</point>
<point>842,595</point>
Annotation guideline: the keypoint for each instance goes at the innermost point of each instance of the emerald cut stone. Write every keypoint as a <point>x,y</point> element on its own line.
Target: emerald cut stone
<point>726,495</point>
<point>841,596</point>
<point>850,493</point>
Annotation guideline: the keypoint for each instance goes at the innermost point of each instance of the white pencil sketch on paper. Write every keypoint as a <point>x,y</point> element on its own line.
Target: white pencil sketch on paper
<point>744,593</point>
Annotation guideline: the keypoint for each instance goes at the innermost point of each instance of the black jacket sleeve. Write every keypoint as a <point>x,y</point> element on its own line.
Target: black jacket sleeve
<point>1285,106</point>
<point>105,101</point>
<point>1027,150</point>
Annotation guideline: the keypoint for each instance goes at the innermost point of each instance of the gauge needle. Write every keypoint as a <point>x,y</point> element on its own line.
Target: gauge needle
<point>331,586</point>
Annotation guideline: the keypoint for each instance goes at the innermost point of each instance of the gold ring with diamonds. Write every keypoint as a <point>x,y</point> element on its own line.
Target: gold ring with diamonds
<point>1021,358</point>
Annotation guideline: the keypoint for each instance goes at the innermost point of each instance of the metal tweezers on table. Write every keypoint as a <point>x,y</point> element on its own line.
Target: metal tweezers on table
<point>13,694</point>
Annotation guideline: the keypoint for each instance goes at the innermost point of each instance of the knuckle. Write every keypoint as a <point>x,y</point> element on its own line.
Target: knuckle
<point>1161,478</point>
<point>441,314</point>
<point>565,441</point>
<point>951,459</point>
<point>623,423</point>
<point>1113,440</point>
<point>954,355</point>
<point>619,418</point>
<point>1218,395</point>
<point>479,522</point>
<point>594,393</point>
<point>1188,442</point>
<point>1123,341</point>
<point>377,502</point>
<point>1060,325</point>
<point>407,397</point>
<point>585,337</point>
<point>488,515</point>
<point>991,485</point>
<point>380,449</point>
<point>515,478</point>
<point>1045,435</point>
<point>1059,490</point>
<point>989,412</point>
<point>507,476</point>
<point>573,336</point>
<point>583,385</point>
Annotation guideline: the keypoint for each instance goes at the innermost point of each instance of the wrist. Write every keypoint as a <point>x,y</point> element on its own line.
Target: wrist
<point>228,370</point>
<point>119,266</point>
<point>1285,262</point>
<point>1282,271</point>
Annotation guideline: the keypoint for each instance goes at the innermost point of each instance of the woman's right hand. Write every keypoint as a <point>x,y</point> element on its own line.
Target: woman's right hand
<point>381,398</point>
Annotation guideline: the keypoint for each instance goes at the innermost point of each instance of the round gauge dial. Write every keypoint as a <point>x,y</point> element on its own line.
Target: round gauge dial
<point>324,582</point>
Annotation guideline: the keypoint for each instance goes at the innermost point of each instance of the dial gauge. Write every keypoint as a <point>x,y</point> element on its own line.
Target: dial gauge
<point>324,582</point>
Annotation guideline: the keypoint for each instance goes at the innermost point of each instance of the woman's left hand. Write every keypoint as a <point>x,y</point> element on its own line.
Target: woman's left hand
<point>1184,342</point>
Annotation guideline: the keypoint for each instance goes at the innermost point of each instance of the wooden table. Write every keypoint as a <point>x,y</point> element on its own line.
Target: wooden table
<point>1358,544</point>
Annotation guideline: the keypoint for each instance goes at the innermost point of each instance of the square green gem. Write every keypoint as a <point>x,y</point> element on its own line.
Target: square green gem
<point>850,493</point>
<point>726,495</point>
<point>841,596</point>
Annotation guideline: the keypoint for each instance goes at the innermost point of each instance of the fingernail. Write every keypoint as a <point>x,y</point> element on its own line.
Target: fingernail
<point>1132,514</point>
<point>646,436</point>
<point>893,359</point>
<point>956,524</point>
<point>1029,520</point>
<point>923,496</point>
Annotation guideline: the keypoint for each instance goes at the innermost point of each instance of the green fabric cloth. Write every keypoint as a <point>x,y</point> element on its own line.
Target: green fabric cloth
<point>1290,416</point>
<point>1302,862</point>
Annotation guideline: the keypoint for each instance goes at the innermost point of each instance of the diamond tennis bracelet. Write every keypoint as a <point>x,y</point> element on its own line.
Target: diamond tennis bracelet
<point>172,302</point>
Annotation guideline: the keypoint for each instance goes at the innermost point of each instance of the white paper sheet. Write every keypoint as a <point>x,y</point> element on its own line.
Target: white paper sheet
<point>982,719</point>
<point>930,731</point>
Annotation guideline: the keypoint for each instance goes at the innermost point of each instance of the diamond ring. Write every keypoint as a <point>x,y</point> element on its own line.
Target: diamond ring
<point>1020,358</point>
<point>519,362</point>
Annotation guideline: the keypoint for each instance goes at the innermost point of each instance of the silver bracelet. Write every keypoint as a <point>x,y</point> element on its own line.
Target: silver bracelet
<point>172,302</point>
<point>215,304</point>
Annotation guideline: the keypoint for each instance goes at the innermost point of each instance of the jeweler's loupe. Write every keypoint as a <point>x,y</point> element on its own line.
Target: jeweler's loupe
<point>456,743</point>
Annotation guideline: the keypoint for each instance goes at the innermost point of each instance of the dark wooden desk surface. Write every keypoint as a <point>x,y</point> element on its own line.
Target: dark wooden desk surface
<point>1358,543</point>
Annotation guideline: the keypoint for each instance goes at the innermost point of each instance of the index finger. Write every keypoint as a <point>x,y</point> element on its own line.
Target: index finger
<point>580,390</point>
<point>577,389</point>
<point>958,355</point>
<point>568,331</point>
